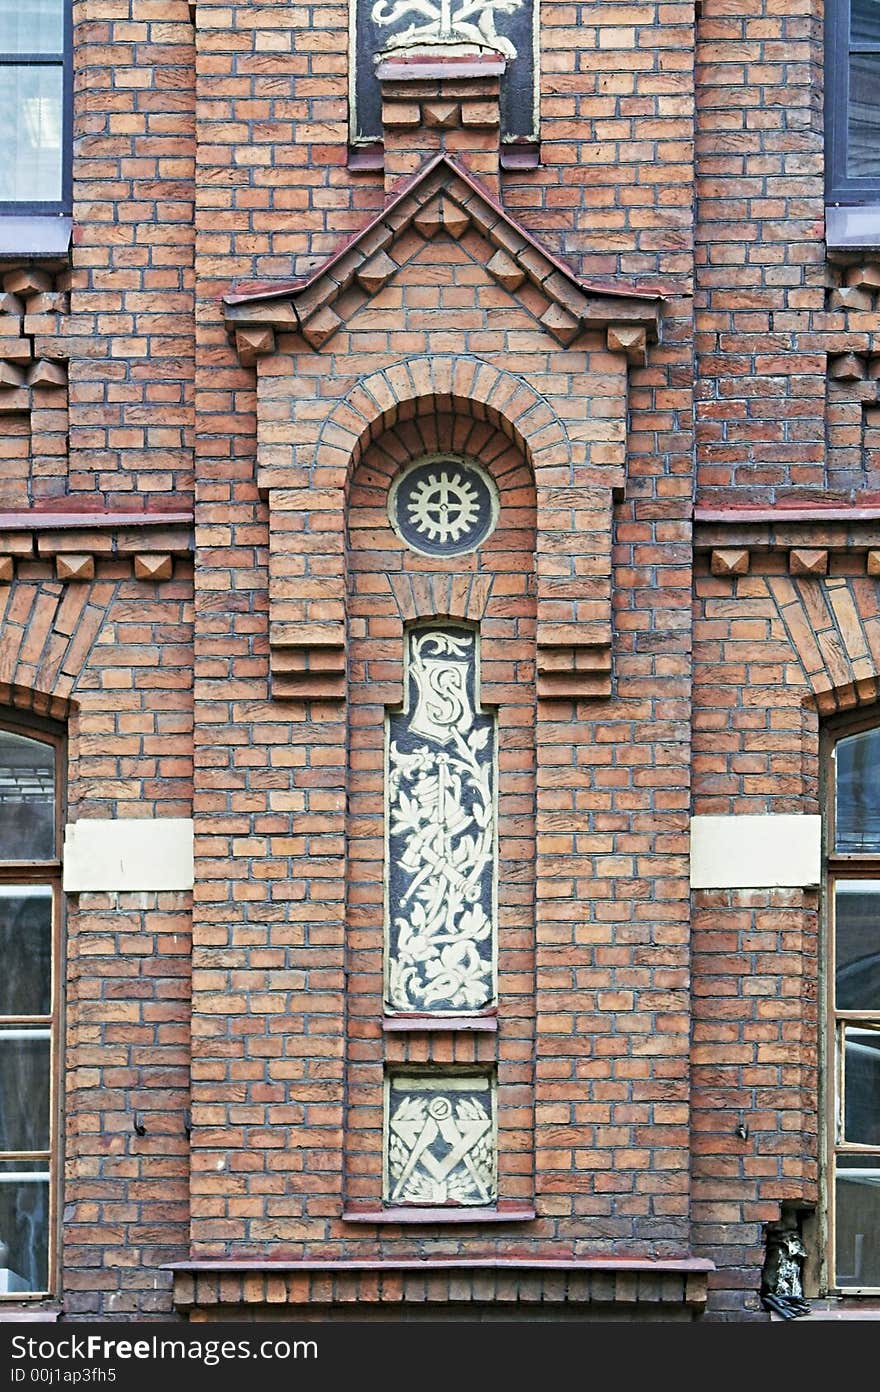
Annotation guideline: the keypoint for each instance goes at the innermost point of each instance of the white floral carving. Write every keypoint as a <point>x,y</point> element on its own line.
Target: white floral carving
<point>444,22</point>
<point>442,824</point>
<point>441,1150</point>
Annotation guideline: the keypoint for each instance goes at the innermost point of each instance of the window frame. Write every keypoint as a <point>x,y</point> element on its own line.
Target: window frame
<point>839,866</point>
<point>839,186</point>
<point>62,58</point>
<point>47,872</point>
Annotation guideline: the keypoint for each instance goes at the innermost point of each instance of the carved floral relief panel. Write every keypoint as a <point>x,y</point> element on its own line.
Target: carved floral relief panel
<point>441,836</point>
<point>440,1140</point>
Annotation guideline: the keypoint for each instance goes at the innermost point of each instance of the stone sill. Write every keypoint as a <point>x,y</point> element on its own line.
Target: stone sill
<point>35,237</point>
<point>33,520</point>
<point>673,1285</point>
<point>435,1024</point>
<point>219,1266</point>
<point>409,1215</point>
<point>850,529</point>
<point>439,67</point>
<point>855,228</point>
<point>844,1309</point>
<point>45,1314</point>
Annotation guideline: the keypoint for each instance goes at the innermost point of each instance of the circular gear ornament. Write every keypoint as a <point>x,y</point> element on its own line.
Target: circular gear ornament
<point>443,505</point>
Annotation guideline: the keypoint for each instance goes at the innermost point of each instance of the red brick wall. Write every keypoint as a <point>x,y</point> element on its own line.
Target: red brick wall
<point>112,658</point>
<point>174,204</point>
<point>130,333</point>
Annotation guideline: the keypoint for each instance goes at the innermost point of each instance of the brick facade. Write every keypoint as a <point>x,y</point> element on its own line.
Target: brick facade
<point>637,331</point>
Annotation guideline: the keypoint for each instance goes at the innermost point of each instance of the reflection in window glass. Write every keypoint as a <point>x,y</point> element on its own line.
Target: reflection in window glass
<point>864,25</point>
<point>31,120</point>
<point>24,1226</point>
<point>857,787</point>
<point>857,1221</point>
<point>857,944</point>
<point>24,1089</point>
<point>31,26</point>
<point>27,798</point>
<point>861,1085</point>
<point>863,145</point>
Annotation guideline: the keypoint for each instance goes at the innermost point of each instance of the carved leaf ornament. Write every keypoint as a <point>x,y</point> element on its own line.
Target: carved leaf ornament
<point>441,833</point>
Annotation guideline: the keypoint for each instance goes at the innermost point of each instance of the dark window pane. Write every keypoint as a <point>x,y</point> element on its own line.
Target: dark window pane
<point>25,950</point>
<point>24,1227</point>
<point>24,1090</point>
<point>857,945</point>
<point>30,118</point>
<point>861,1085</point>
<point>31,26</point>
<point>863,144</point>
<point>865,21</point>
<point>857,803</point>
<point>857,1193</point>
<point>27,796</point>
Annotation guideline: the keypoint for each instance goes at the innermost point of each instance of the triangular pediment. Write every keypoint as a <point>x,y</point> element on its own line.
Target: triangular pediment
<point>441,200</point>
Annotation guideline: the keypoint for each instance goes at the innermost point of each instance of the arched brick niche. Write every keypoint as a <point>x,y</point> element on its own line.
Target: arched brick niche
<point>489,592</point>
<point>442,302</point>
<point>578,468</point>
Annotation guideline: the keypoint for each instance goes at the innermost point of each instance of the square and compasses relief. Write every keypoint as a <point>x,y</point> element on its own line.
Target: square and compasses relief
<point>440,1141</point>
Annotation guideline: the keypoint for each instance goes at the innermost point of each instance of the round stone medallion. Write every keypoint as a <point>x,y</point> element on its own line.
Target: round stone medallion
<point>443,506</point>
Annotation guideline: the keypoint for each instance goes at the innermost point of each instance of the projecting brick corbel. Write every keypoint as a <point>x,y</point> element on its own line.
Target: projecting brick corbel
<point>730,561</point>
<point>253,343</point>
<point>505,270</point>
<point>47,374</point>
<point>7,570</point>
<point>570,668</point>
<point>376,272</point>
<point>440,115</point>
<point>629,339</point>
<point>10,375</point>
<point>322,325</point>
<point>803,561</point>
<point>153,567</point>
<point>560,323</point>
<point>307,660</point>
<point>75,567</point>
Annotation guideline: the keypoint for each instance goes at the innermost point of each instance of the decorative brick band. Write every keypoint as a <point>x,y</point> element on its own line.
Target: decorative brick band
<point>212,1286</point>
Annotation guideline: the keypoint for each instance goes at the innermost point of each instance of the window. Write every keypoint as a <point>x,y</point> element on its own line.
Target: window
<point>30,766</point>
<point>852,101</point>
<point>35,106</point>
<point>853,1012</point>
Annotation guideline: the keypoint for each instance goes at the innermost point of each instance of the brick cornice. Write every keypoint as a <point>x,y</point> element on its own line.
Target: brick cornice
<point>855,528</point>
<point>441,196</point>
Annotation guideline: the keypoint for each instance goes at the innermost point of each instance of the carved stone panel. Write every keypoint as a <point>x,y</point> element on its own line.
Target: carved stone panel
<point>440,832</point>
<point>386,28</point>
<point>440,1140</point>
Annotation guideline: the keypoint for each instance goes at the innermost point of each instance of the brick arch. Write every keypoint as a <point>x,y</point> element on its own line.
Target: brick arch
<point>423,385</point>
<point>834,631</point>
<point>49,630</point>
<point>575,519</point>
<point>31,701</point>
